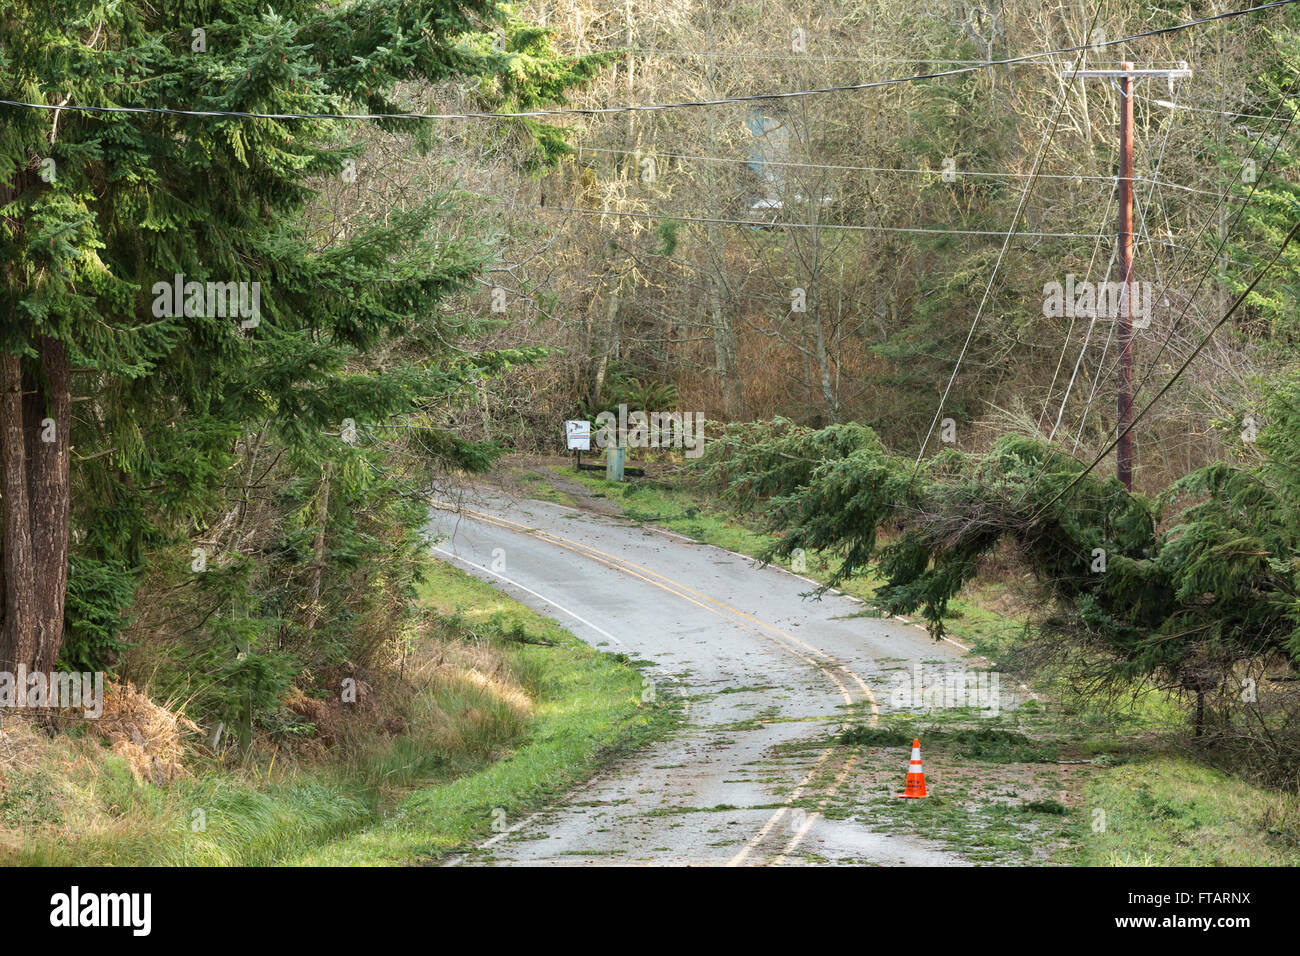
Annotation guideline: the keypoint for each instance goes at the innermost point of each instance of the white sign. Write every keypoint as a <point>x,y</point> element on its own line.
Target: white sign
<point>578,435</point>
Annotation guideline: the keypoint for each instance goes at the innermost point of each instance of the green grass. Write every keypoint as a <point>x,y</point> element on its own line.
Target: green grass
<point>647,501</point>
<point>403,802</point>
<point>589,707</point>
<point>219,819</point>
<point>537,486</point>
<point>1169,811</point>
<point>592,709</point>
<point>977,743</point>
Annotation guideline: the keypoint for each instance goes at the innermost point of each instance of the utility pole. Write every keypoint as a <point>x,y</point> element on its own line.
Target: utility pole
<point>1125,79</point>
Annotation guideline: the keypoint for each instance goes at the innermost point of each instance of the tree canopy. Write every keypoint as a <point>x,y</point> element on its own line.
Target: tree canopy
<point>210,382</point>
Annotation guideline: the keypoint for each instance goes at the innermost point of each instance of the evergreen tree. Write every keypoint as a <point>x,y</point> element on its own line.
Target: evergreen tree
<point>1183,604</point>
<point>127,410</point>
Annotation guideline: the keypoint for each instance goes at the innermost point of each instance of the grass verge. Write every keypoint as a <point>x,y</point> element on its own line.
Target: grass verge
<point>589,708</point>
<point>1170,811</point>
<point>507,710</point>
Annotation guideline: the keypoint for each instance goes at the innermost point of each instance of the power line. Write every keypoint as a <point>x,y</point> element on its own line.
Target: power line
<point>793,57</point>
<point>1199,109</point>
<point>848,227</point>
<point>1164,291</point>
<point>1254,186</point>
<point>1143,209</point>
<point>1173,378</point>
<point>1188,249</point>
<point>839,167</point>
<point>1169,335</point>
<point>825,57</point>
<point>773,224</point>
<point>1048,135</point>
<point>1066,343</point>
<point>649,107</point>
<point>1096,378</point>
<point>974,174</point>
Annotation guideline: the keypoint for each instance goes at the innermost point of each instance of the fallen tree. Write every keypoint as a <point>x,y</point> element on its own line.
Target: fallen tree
<point>1190,590</point>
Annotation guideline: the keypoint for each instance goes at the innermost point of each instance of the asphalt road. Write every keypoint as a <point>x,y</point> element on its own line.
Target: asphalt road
<point>760,665</point>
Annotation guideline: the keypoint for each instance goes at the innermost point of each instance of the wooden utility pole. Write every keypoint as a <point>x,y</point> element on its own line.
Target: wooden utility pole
<point>1125,79</point>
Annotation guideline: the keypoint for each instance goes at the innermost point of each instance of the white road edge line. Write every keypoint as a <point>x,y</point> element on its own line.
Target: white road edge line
<point>459,858</point>
<point>577,617</point>
<point>540,597</point>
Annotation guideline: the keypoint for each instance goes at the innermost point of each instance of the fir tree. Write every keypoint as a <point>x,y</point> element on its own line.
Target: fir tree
<point>124,407</point>
<point>1183,601</point>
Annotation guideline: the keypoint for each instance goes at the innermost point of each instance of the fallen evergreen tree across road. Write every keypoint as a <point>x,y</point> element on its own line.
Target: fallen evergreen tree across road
<point>1196,591</point>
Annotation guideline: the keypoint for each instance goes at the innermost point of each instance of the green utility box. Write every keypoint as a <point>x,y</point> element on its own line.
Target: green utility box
<point>614,458</point>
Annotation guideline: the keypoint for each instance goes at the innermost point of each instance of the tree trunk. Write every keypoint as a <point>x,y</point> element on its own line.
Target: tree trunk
<point>35,418</point>
<point>610,344</point>
<point>824,370</point>
<point>724,341</point>
<point>318,564</point>
<point>48,457</point>
<point>19,564</point>
<point>726,354</point>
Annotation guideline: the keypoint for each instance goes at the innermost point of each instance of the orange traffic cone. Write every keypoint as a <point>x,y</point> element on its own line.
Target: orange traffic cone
<point>915,775</point>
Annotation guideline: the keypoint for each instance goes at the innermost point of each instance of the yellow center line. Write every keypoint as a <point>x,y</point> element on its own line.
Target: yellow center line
<point>812,817</point>
<point>797,792</point>
<point>625,563</point>
<point>747,621</point>
<point>667,584</point>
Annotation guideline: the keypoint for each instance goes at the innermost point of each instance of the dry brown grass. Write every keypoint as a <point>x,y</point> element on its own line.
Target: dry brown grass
<point>457,696</point>
<point>148,736</point>
<point>452,694</point>
<point>39,779</point>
